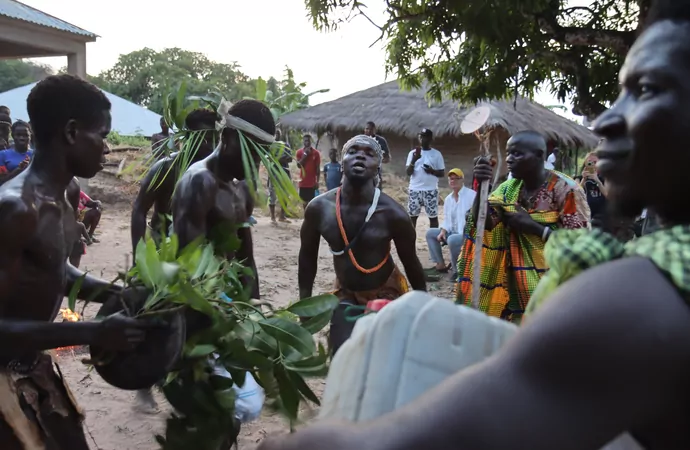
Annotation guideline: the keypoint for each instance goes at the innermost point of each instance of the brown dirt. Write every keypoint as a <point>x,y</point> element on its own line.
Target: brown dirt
<point>111,419</point>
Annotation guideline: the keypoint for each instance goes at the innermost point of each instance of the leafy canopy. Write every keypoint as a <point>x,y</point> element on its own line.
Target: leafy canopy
<point>495,49</point>
<point>15,73</point>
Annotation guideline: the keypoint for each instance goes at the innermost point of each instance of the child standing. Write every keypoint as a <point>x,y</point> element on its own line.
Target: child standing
<point>332,171</point>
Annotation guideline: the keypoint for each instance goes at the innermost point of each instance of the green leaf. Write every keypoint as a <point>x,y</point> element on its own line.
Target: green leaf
<point>318,323</point>
<point>290,334</point>
<point>289,393</point>
<point>261,87</point>
<point>74,292</point>
<point>226,398</point>
<point>142,264</point>
<point>313,306</point>
<point>169,271</point>
<point>201,350</point>
<point>303,387</point>
<point>195,301</point>
<point>153,263</point>
<point>313,366</point>
<point>206,257</point>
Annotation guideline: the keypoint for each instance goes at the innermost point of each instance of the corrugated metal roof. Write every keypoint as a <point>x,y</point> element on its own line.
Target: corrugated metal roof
<point>129,119</point>
<point>20,11</point>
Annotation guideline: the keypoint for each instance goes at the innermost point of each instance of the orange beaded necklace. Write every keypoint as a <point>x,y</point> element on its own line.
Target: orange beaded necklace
<point>347,242</point>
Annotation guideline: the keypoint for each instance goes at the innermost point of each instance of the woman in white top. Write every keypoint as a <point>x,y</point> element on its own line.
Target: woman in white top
<point>451,231</point>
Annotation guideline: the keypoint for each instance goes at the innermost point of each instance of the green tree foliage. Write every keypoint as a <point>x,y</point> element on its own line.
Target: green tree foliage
<point>283,96</point>
<point>15,73</point>
<point>498,48</point>
<point>146,76</point>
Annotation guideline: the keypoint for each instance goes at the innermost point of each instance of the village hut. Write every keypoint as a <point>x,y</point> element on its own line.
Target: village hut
<point>399,116</point>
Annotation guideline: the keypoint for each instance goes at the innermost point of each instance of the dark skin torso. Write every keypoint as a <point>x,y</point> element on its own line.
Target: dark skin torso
<point>204,203</point>
<point>389,223</point>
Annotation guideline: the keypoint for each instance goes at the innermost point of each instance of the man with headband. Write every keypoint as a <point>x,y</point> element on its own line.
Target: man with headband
<point>359,223</point>
<point>609,350</point>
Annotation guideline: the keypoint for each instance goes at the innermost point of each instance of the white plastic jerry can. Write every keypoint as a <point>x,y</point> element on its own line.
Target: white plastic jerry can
<point>407,348</point>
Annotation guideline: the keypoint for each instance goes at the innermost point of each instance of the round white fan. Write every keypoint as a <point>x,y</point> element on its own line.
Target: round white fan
<point>475,119</point>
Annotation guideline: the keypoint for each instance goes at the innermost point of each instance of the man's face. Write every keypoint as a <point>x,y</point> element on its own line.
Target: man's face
<point>523,160</point>
<point>5,131</point>
<point>21,137</point>
<point>360,164</point>
<point>209,137</point>
<point>455,182</point>
<point>306,141</point>
<point>425,140</point>
<point>164,126</point>
<point>370,130</point>
<point>647,126</point>
<point>333,154</point>
<point>87,146</point>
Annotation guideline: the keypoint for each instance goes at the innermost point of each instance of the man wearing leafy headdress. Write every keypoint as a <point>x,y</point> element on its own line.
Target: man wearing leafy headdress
<point>359,222</point>
<point>157,187</point>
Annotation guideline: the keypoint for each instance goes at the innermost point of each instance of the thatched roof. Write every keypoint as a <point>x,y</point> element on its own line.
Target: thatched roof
<point>406,112</point>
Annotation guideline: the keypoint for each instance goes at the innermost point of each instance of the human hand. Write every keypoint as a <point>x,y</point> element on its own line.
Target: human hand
<point>441,236</point>
<point>428,169</point>
<point>121,333</point>
<point>521,221</point>
<point>23,165</point>
<point>417,155</point>
<point>326,435</point>
<point>483,170</point>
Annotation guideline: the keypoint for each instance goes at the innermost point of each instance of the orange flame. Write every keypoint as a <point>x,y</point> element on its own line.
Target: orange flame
<point>70,315</point>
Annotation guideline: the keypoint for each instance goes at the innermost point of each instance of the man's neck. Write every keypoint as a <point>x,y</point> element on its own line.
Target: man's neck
<point>356,193</point>
<point>226,172</point>
<point>52,172</point>
<point>21,150</point>
<point>456,193</point>
<point>428,147</point>
<point>535,181</point>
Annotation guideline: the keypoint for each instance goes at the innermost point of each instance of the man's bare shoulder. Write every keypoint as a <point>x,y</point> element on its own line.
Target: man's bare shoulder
<point>394,210</point>
<point>18,216</point>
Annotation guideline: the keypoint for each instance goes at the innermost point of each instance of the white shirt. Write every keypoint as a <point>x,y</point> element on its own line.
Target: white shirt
<point>420,180</point>
<point>550,161</point>
<point>454,212</point>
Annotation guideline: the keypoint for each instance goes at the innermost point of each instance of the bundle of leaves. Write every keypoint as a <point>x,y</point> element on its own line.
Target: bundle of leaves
<point>242,337</point>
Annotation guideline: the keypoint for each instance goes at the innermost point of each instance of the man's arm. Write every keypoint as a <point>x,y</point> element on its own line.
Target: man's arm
<point>384,147</point>
<point>246,253</point>
<point>581,371</point>
<point>405,239</point>
<point>317,159</point>
<point>301,156</point>
<point>145,200</point>
<point>92,289</point>
<point>325,175</point>
<point>309,249</point>
<point>410,163</point>
<point>447,214</point>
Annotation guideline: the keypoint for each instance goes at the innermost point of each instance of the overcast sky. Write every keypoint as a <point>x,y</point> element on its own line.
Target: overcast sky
<point>263,36</point>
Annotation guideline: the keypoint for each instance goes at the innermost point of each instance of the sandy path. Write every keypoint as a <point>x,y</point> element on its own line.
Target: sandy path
<point>110,417</point>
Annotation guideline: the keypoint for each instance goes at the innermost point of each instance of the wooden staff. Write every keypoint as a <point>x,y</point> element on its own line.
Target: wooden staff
<point>479,236</point>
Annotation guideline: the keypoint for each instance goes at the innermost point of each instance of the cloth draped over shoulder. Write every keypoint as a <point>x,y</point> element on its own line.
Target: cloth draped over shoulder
<point>513,263</point>
<point>570,252</point>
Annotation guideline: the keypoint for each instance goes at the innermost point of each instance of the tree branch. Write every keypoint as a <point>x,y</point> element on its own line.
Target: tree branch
<point>619,41</point>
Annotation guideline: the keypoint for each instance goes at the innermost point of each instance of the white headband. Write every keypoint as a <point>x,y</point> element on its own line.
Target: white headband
<point>228,121</point>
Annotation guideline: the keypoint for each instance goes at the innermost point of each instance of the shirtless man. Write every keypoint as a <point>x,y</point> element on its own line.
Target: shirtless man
<point>610,350</point>
<point>156,190</point>
<point>209,202</point>
<point>71,119</point>
<point>365,271</point>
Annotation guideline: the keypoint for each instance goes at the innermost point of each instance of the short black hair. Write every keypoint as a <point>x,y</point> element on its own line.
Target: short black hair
<point>20,123</point>
<point>57,99</point>
<point>5,108</point>
<point>371,124</point>
<point>200,118</point>
<point>256,113</point>
<point>5,118</point>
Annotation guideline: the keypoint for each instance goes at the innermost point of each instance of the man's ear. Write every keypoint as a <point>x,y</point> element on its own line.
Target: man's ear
<point>70,131</point>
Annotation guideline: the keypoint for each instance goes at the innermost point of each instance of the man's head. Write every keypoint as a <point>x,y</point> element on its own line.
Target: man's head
<point>526,151</point>
<point>425,138</point>
<point>306,141</point>
<point>362,156</point>
<point>645,130</point>
<point>165,129</point>
<point>333,154</point>
<point>251,114</point>
<point>456,179</point>
<point>5,110</point>
<point>370,129</point>
<point>5,126</point>
<point>21,135</point>
<point>202,122</point>
<point>70,118</point>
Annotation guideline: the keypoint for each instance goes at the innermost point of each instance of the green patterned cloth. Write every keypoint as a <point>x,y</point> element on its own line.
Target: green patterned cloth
<point>570,252</point>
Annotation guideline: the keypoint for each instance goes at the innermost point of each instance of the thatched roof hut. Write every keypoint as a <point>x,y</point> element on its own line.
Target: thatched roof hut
<point>400,115</point>
<point>404,113</point>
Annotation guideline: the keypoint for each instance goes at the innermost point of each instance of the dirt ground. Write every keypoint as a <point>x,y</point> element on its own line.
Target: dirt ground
<point>111,419</point>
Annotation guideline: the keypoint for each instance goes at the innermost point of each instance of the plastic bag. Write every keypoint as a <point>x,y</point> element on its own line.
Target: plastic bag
<point>249,400</point>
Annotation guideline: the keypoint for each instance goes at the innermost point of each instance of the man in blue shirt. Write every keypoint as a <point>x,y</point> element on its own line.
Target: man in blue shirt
<point>17,157</point>
<point>332,171</point>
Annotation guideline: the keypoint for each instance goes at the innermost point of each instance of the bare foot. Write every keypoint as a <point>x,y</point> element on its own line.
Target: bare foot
<point>284,220</point>
<point>145,402</point>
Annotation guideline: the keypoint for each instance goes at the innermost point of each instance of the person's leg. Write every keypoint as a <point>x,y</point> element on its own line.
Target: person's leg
<point>341,325</point>
<point>414,205</point>
<point>455,242</point>
<point>272,201</point>
<point>431,207</point>
<point>435,248</point>
<point>76,253</point>
<point>91,220</point>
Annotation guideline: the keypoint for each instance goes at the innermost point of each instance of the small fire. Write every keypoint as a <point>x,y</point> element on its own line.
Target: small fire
<point>69,316</point>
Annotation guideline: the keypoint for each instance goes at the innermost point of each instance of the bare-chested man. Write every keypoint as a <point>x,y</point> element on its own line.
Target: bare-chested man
<point>71,119</point>
<point>209,202</point>
<point>610,350</point>
<point>359,223</point>
<point>156,188</point>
